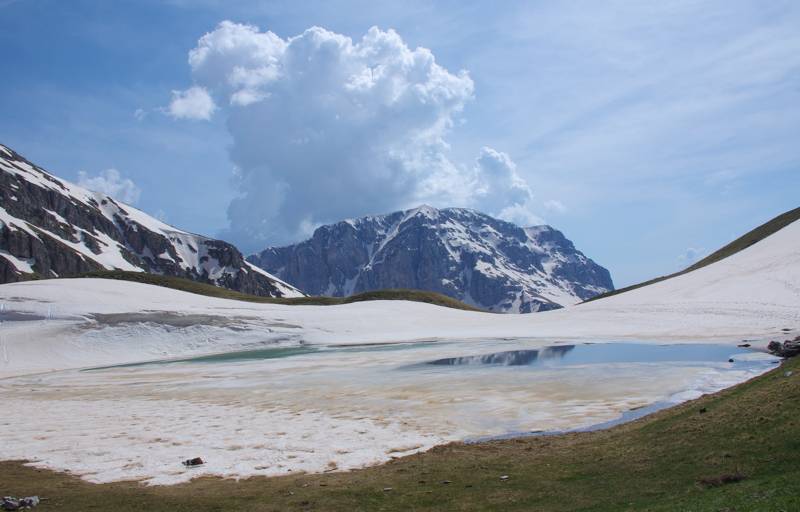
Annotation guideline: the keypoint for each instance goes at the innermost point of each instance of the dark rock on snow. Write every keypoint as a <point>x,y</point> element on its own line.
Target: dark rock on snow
<point>12,503</point>
<point>788,348</point>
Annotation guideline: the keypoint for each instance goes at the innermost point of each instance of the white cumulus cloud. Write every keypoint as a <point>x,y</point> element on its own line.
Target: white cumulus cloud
<point>325,128</point>
<point>111,183</point>
<point>501,191</point>
<point>193,103</point>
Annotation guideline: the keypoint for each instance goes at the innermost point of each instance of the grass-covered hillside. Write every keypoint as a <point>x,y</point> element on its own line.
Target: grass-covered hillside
<point>187,285</point>
<point>741,243</point>
<point>736,450</point>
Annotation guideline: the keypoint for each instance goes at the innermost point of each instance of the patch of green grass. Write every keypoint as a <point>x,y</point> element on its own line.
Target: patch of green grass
<point>187,285</point>
<point>741,243</point>
<point>658,463</point>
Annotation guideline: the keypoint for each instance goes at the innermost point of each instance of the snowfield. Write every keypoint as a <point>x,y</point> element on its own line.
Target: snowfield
<point>752,294</point>
<point>330,407</point>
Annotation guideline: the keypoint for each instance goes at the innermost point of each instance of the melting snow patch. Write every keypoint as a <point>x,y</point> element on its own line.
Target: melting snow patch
<point>112,440</point>
<point>25,266</point>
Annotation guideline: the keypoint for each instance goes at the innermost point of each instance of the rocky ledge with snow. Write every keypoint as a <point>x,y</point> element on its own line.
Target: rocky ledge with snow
<point>483,261</point>
<point>53,228</point>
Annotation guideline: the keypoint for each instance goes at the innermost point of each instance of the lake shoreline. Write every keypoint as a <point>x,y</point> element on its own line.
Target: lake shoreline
<point>614,463</point>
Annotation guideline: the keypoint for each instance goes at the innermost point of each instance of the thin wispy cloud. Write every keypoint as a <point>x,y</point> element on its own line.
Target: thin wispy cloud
<point>665,90</point>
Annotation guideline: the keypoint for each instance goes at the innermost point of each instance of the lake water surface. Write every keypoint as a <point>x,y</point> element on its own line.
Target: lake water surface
<point>308,408</point>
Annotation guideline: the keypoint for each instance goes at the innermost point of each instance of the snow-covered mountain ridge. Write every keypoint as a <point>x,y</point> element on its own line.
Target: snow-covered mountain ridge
<point>473,257</point>
<point>54,228</point>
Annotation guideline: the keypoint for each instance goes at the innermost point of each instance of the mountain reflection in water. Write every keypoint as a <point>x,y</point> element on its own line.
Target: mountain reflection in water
<point>509,358</point>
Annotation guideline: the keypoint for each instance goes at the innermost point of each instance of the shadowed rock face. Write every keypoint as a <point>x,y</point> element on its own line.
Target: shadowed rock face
<point>52,228</point>
<point>462,253</point>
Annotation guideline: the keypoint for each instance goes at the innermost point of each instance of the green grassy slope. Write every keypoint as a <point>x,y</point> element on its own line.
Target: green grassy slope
<point>676,460</point>
<point>741,243</point>
<point>187,285</point>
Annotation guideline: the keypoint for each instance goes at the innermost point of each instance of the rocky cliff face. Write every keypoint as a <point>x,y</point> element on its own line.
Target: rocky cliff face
<point>52,228</point>
<point>462,253</point>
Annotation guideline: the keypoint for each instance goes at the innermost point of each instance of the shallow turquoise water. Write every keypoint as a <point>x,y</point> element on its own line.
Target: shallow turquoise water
<point>227,357</point>
<point>279,353</point>
<point>550,356</point>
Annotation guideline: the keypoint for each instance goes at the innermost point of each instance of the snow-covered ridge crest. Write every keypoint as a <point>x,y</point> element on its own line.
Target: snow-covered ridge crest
<point>54,228</point>
<point>463,253</point>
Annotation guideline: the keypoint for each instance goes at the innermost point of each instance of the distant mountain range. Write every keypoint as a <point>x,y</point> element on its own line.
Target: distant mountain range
<point>483,261</point>
<point>50,227</point>
<point>53,228</point>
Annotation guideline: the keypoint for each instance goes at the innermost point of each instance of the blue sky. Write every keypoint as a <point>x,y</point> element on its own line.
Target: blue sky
<point>649,132</point>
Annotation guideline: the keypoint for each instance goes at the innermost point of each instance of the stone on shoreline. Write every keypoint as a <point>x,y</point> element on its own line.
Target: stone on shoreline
<point>788,348</point>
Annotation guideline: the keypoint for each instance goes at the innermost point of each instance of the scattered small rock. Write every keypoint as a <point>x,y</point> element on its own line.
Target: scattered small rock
<point>446,482</point>
<point>730,360</point>
<point>197,461</point>
<point>12,503</point>
<point>788,348</point>
<point>387,489</point>
<point>744,345</point>
<point>504,477</point>
<point>787,373</point>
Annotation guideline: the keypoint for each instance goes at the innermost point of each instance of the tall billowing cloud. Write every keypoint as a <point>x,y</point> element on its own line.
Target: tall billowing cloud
<point>325,128</point>
<point>111,183</point>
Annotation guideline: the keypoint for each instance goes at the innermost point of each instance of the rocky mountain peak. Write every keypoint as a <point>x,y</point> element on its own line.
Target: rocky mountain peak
<point>50,227</point>
<point>484,261</point>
